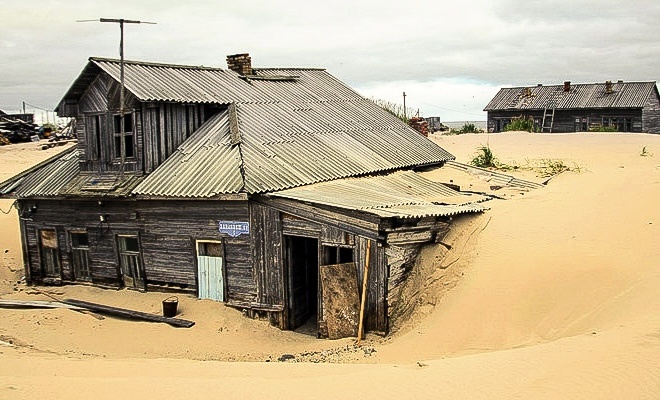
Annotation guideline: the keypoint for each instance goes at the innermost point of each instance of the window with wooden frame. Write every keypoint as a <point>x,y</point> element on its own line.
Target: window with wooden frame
<point>80,255</point>
<point>123,127</point>
<point>93,133</point>
<point>50,253</point>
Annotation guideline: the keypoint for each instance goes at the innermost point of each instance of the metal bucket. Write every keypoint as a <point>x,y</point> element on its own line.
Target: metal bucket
<point>170,305</point>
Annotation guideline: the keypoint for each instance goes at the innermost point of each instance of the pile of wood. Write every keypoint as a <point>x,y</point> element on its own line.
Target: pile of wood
<point>420,125</point>
<point>64,136</point>
<point>14,131</point>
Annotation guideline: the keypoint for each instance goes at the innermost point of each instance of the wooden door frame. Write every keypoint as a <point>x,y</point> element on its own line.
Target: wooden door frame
<point>287,275</point>
<point>143,268</point>
<point>221,241</point>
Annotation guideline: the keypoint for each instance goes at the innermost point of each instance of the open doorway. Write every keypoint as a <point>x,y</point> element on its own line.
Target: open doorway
<point>302,262</point>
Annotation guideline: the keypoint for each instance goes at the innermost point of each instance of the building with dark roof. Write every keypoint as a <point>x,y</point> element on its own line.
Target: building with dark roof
<point>618,106</point>
<point>240,185</point>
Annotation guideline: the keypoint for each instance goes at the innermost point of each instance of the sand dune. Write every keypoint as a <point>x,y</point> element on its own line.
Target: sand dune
<point>550,294</point>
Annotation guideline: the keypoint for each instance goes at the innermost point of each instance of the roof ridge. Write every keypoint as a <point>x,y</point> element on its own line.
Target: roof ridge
<point>288,68</point>
<point>580,84</point>
<point>156,64</point>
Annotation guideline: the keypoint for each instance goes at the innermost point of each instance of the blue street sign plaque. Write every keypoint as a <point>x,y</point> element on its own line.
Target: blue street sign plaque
<point>234,228</point>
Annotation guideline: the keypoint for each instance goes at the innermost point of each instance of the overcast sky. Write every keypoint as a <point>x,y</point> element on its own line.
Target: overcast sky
<point>450,57</point>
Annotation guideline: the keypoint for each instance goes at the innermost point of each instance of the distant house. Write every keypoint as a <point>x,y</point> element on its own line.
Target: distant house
<point>238,185</point>
<point>620,106</point>
<point>29,118</point>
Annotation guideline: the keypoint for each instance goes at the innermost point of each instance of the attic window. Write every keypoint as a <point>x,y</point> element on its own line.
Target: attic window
<point>124,124</point>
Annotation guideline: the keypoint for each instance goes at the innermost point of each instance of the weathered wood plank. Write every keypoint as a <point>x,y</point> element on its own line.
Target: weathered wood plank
<point>36,304</point>
<point>131,314</point>
<point>340,297</point>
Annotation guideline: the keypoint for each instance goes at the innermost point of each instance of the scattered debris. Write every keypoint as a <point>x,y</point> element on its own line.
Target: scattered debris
<point>14,131</point>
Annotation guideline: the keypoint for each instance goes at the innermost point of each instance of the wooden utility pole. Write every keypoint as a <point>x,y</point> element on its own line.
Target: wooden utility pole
<point>404,106</point>
<point>363,301</point>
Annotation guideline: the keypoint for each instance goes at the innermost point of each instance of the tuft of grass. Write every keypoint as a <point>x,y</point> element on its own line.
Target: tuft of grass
<point>395,109</point>
<point>645,153</point>
<point>548,167</point>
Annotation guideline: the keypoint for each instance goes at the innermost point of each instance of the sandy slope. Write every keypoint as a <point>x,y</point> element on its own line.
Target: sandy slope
<point>554,295</point>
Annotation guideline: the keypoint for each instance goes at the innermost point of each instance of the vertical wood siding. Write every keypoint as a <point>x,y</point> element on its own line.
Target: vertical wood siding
<point>651,113</point>
<point>167,230</point>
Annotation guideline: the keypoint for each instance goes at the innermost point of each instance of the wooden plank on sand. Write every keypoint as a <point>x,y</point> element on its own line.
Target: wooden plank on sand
<point>126,313</point>
<point>36,304</point>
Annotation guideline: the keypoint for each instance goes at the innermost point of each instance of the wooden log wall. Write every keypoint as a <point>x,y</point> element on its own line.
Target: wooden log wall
<point>167,231</point>
<point>564,120</point>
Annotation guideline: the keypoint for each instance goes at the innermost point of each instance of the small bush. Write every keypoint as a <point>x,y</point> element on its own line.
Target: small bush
<point>467,127</point>
<point>521,124</point>
<point>484,158</point>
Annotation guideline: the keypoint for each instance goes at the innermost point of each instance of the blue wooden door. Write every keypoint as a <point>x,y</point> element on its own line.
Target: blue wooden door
<point>210,271</point>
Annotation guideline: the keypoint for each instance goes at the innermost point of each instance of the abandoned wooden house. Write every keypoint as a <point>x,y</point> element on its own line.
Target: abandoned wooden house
<point>238,185</point>
<point>618,106</point>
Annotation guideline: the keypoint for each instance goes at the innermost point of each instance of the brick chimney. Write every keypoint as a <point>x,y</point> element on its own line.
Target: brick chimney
<point>567,86</point>
<point>240,63</point>
<point>608,87</point>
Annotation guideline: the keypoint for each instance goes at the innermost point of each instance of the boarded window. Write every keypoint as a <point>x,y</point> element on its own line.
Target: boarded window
<point>50,256</point>
<point>94,133</point>
<point>210,249</point>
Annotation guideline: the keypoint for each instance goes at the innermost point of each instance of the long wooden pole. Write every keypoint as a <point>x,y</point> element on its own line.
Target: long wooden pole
<point>363,301</point>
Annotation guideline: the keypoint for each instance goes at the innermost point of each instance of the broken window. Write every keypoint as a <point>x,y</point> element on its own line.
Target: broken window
<point>80,256</point>
<point>129,261</point>
<point>337,255</point>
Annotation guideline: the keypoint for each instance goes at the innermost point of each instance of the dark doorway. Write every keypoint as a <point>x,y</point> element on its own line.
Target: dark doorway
<point>302,261</point>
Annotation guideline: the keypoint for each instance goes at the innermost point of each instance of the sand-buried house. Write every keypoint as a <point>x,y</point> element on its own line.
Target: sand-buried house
<point>619,106</point>
<point>238,185</point>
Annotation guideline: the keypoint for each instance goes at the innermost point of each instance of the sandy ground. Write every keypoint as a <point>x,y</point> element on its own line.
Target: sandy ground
<point>552,293</point>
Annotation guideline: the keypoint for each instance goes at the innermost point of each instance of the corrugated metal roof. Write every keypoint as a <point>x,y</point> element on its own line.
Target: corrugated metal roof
<point>179,83</point>
<point>403,194</point>
<point>47,180</point>
<point>589,95</point>
<point>293,132</point>
<point>205,165</point>
<point>292,127</point>
<point>493,176</point>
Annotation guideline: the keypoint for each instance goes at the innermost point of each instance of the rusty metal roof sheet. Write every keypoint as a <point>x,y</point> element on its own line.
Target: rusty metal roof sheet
<point>403,194</point>
<point>580,96</point>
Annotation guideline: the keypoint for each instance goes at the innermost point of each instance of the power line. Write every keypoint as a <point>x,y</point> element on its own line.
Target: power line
<point>449,109</point>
